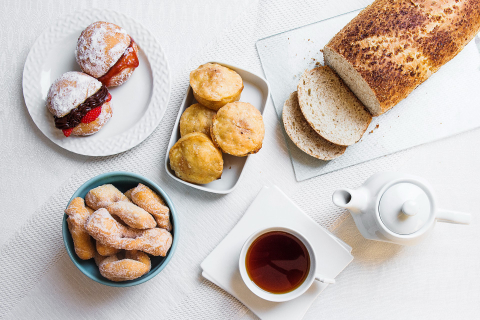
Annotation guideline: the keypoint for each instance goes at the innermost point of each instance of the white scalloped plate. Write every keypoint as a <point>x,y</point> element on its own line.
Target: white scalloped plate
<point>138,105</point>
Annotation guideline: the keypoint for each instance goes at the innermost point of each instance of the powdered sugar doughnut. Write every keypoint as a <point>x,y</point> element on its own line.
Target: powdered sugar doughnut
<point>77,215</point>
<point>99,258</point>
<point>68,91</point>
<point>145,198</point>
<point>134,265</point>
<point>79,104</point>
<point>103,196</point>
<point>104,250</point>
<point>105,51</point>
<point>104,228</point>
<point>132,215</point>
<point>128,194</point>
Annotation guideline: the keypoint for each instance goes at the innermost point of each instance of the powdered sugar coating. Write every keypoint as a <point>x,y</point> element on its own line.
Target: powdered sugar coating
<point>104,228</point>
<point>77,215</point>
<point>69,91</point>
<point>134,265</point>
<point>100,46</point>
<point>103,196</point>
<point>132,215</point>
<point>148,200</point>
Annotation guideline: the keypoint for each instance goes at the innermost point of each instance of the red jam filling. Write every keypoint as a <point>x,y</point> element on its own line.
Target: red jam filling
<point>129,59</point>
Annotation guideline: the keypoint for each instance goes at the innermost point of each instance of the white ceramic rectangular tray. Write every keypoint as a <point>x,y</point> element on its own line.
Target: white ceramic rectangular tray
<point>257,92</point>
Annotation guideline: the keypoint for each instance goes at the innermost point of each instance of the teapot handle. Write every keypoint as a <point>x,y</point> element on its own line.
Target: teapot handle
<point>453,216</point>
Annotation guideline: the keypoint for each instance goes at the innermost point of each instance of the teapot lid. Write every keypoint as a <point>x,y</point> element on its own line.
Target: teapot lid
<point>404,208</point>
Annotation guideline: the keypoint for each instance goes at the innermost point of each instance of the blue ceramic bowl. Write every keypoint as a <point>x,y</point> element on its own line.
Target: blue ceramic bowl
<point>123,181</point>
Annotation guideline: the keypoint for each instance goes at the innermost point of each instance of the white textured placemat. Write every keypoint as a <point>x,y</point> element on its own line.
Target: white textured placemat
<point>39,281</point>
<point>445,105</point>
<point>37,276</point>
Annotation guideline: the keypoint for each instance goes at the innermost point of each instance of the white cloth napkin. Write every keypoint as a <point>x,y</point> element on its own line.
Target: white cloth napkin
<point>269,209</point>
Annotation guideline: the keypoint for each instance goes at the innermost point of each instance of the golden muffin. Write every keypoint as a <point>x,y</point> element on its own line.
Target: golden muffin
<point>214,85</point>
<point>194,158</point>
<point>196,118</point>
<point>238,129</point>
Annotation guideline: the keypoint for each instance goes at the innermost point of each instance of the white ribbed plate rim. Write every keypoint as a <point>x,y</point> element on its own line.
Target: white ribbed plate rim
<point>160,76</point>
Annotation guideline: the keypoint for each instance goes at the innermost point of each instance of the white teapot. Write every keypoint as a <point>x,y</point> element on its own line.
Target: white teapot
<point>395,207</point>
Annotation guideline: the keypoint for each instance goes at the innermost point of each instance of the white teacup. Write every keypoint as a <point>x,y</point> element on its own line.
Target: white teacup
<point>280,297</point>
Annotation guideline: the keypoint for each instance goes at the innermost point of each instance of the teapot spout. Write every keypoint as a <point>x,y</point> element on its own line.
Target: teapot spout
<point>354,200</point>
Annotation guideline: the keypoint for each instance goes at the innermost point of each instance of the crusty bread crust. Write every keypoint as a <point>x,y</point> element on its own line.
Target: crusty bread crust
<point>395,45</point>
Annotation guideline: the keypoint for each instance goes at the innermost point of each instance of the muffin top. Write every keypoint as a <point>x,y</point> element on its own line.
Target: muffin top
<point>196,118</point>
<point>214,82</point>
<point>238,129</point>
<point>194,158</point>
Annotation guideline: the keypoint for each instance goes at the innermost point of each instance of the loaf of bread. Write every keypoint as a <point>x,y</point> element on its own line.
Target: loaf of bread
<point>392,46</point>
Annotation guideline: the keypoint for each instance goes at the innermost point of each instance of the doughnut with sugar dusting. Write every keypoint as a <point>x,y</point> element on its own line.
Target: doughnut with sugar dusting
<point>106,52</point>
<point>77,215</point>
<point>80,104</point>
<point>104,228</point>
<point>104,250</point>
<point>103,196</point>
<point>128,194</point>
<point>148,200</point>
<point>116,268</point>
<point>132,215</point>
<point>98,258</point>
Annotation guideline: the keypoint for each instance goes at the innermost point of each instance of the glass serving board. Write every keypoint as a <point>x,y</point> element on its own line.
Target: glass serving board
<point>445,105</point>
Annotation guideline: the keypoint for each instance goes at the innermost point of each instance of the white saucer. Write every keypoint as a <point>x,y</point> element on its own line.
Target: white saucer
<point>138,105</point>
<point>273,208</point>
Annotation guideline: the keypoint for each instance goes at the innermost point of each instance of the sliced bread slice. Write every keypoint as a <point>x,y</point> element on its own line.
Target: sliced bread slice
<point>304,137</point>
<point>331,108</point>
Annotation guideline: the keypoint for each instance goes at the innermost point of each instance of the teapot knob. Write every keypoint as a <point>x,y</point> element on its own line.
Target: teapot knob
<point>410,208</point>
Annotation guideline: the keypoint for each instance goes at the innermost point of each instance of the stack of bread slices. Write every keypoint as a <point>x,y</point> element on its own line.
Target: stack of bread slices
<point>323,117</point>
<point>374,62</point>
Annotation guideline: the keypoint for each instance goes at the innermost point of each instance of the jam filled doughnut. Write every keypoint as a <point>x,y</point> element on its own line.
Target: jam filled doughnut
<point>132,215</point>
<point>104,228</point>
<point>103,196</point>
<point>77,215</point>
<point>116,268</point>
<point>79,103</point>
<point>105,250</point>
<point>148,200</point>
<point>106,52</point>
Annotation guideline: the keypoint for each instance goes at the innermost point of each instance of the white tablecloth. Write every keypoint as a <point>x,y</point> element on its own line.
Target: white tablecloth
<point>437,279</point>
